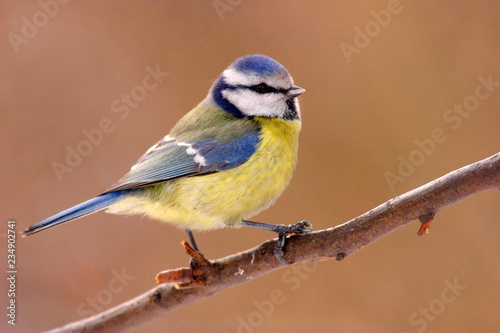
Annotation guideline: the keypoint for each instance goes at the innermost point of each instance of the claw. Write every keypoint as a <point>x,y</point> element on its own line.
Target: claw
<point>192,267</point>
<point>283,231</point>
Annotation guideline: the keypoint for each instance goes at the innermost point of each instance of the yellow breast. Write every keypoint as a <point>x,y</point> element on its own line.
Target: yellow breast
<point>227,197</point>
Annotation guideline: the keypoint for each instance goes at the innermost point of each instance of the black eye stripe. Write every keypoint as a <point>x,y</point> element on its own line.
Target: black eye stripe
<point>263,88</point>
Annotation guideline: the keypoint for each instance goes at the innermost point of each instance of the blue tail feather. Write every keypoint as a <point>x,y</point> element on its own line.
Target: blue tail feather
<point>80,210</point>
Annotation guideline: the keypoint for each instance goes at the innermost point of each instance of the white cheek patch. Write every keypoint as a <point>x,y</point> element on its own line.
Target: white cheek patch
<point>251,103</point>
<point>191,151</point>
<point>297,107</point>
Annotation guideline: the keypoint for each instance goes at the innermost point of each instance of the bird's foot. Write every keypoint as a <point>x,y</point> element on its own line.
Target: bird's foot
<point>285,230</point>
<point>195,276</point>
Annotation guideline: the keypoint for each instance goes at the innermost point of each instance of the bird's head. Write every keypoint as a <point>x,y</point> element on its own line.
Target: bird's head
<point>257,86</point>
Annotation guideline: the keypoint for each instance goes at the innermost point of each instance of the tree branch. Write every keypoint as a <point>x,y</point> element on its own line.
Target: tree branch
<point>419,204</point>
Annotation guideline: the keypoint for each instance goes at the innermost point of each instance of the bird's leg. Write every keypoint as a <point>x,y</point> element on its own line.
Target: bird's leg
<point>196,275</point>
<point>192,262</point>
<point>191,240</point>
<point>199,268</point>
<point>283,231</point>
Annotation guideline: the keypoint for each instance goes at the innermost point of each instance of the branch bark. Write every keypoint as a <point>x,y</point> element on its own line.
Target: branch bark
<point>419,204</point>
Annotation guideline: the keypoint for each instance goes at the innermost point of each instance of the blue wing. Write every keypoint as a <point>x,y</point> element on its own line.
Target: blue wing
<point>204,141</point>
<point>220,157</point>
<point>171,158</point>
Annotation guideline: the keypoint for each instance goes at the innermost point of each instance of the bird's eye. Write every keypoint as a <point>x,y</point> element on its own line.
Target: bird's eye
<point>263,88</point>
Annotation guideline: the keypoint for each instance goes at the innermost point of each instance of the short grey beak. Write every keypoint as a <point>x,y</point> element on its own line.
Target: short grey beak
<point>295,91</point>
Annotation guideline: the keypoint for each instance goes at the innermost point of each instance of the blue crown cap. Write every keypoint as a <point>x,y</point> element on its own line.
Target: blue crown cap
<point>260,64</point>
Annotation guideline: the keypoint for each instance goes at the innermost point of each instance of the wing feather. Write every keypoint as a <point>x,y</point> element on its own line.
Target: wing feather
<point>171,158</point>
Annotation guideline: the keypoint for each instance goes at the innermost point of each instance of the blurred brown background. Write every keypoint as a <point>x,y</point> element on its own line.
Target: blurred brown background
<point>362,112</point>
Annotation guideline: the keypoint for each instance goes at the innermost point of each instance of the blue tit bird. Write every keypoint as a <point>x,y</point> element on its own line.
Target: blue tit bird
<point>226,160</point>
